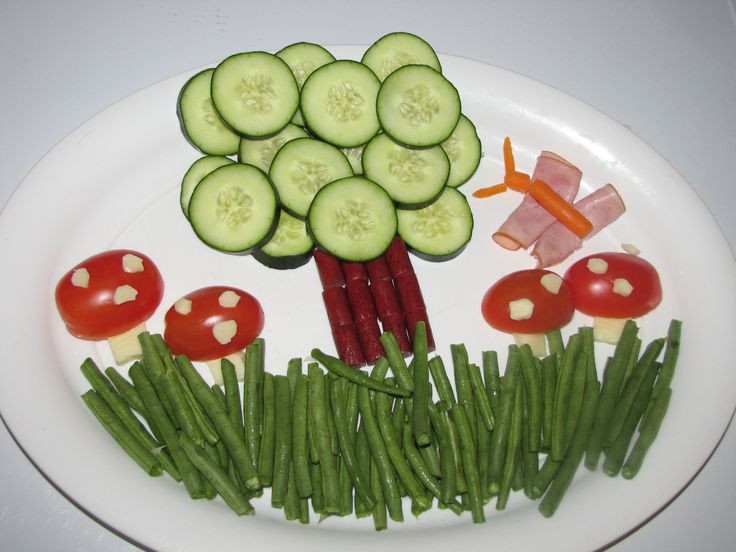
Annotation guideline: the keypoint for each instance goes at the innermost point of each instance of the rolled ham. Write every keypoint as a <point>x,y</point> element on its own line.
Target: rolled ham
<point>527,222</point>
<point>557,242</point>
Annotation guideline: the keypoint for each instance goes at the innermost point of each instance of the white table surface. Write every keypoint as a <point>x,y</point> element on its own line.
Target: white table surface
<point>667,69</point>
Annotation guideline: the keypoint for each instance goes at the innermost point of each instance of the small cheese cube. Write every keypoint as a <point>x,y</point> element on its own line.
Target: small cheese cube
<point>183,306</point>
<point>630,248</point>
<point>597,266</point>
<point>228,299</point>
<point>521,309</point>
<point>622,286</point>
<point>551,282</point>
<point>132,263</point>
<point>125,293</point>
<point>224,331</point>
<point>80,278</point>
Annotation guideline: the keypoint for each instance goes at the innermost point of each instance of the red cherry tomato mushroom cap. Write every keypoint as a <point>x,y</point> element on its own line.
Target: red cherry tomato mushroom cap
<point>87,300</point>
<point>629,286</point>
<point>550,310</point>
<point>193,333</point>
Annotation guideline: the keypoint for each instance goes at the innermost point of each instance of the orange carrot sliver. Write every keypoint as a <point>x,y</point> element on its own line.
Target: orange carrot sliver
<point>490,190</point>
<point>508,157</point>
<point>560,209</point>
<point>517,181</point>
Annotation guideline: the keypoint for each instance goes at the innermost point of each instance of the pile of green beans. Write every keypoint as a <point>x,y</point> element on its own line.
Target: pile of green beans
<point>336,441</point>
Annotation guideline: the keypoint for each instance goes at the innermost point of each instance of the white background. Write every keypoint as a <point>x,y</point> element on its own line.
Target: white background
<point>666,69</point>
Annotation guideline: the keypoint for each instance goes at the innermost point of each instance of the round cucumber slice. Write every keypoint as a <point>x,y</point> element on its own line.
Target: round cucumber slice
<point>301,168</point>
<point>412,177</point>
<point>464,150</point>
<point>255,93</point>
<point>261,151</point>
<point>290,246</point>
<point>353,219</point>
<point>338,103</point>
<point>395,50</point>
<point>440,231</point>
<point>417,106</point>
<point>199,121</point>
<point>197,171</point>
<point>234,208</point>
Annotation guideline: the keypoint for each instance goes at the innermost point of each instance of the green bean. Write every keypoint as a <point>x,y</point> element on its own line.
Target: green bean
<point>315,473</point>
<point>632,361</point>
<point>338,367</point>
<point>647,432</point>
<point>482,402</point>
<point>232,395</point>
<point>499,439</point>
<point>556,344</point>
<point>544,477</point>
<point>616,454</point>
<point>327,462</point>
<point>576,397</point>
<point>380,523</point>
<point>122,411</point>
<point>229,435</point>
<point>334,446</point>
<point>419,418</point>
<point>154,367</point>
<point>268,438</point>
<point>565,377</point>
<point>533,387</point>
<point>346,489</point>
<point>463,387</point>
<point>156,412</point>
<point>448,479</point>
<point>398,414</point>
<point>126,390</point>
<point>396,360</point>
<point>492,379</point>
<point>469,460</point>
<point>200,418</point>
<point>529,464</point>
<point>484,451</point>
<point>300,447</point>
<point>575,452</point>
<point>117,429</point>
<point>441,381</point>
<point>379,457</point>
<point>610,389</point>
<point>182,411</point>
<point>513,449</point>
<point>631,387</point>
<point>282,441</point>
<point>671,353</point>
<point>549,384</point>
<point>253,400</point>
<point>363,455</point>
<point>451,427</point>
<point>292,508</point>
<point>393,448</point>
<point>347,446</point>
<point>210,491</point>
<point>217,476</point>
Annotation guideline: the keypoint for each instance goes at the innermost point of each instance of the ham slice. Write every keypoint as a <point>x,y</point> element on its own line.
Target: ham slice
<point>527,222</point>
<point>557,242</point>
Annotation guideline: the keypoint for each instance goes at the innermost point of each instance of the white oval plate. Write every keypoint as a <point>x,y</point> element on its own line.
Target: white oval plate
<point>114,182</point>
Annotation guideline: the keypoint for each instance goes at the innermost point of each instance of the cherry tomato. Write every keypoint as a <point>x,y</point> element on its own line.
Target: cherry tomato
<point>595,294</point>
<point>550,310</point>
<point>192,333</point>
<point>88,306</point>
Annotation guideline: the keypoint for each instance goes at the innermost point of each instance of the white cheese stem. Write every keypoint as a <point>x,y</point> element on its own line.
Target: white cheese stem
<point>537,342</point>
<point>608,330</point>
<point>215,366</point>
<point>126,347</point>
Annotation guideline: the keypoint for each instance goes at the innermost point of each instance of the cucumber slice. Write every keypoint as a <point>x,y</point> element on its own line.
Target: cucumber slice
<point>197,171</point>
<point>395,50</point>
<point>261,151</point>
<point>417,106</point>
<point>200,123</point>
<point>303,58</point>
<point>234,209</point>
<point>290,247</point>
<point>338,103</point>
<point>353,219</point>
<point>413,178</point>
<point>440,231</point>
<point>463,148</point>
<point>255,93</point>
<point>301,168</point>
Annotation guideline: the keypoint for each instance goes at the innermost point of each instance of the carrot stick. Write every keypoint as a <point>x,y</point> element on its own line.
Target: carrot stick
<point>560,209</point>
<point>508,157</point>
<point>517,181</point>
<point>490,190</point>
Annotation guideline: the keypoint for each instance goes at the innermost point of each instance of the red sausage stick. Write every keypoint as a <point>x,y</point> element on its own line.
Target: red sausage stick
<point>330,271</point>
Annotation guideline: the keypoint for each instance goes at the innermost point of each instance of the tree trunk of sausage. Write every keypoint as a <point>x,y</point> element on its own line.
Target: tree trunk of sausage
<point>365,318</point>
<point>330,271</point>
<point>390,313</point>
<point>412,303</point>
<point>342,325</point>
<point>397,258</point>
